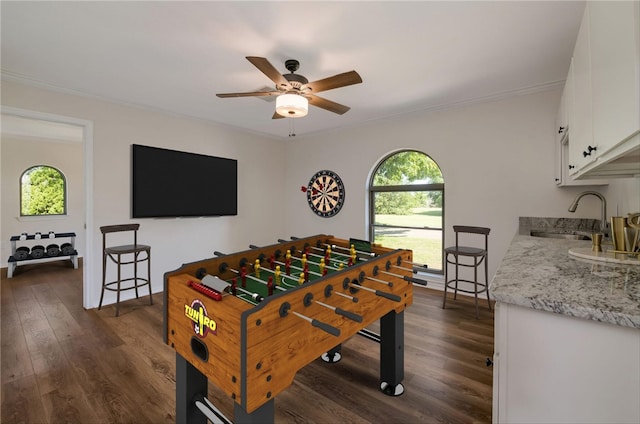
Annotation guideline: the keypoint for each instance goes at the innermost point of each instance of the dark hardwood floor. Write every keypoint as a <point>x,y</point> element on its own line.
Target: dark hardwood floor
<point>63,364</point>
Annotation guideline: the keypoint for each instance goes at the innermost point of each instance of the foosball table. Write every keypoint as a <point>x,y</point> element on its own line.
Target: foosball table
<point>248,321</point>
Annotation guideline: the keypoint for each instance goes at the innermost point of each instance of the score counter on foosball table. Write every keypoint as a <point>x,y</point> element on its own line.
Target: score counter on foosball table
<point>248,321</point>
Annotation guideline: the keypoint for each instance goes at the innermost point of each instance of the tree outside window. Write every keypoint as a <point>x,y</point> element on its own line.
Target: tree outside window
<point>407,207</point>
<point>42,192</point>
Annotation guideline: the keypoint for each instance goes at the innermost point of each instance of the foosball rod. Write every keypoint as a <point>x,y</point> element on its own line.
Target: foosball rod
<point>292,266</point>
<point>298,268</point>
<point>285,308</point>
<point>281,275</point>
<point>351,315</point>
<point>335,246</point>
<point>319,256</point>
<point>246,275</point>
<point>254,296</point>
<point>388,265</point>
<point>321,250</point>
<point>386,295</point>
<point>379,281</point>
<point>255,279</point>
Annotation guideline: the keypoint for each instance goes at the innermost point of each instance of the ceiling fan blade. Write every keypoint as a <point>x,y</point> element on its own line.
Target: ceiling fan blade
<point>270,71</point>
<point>250,94</point>
<point>336,81</point>
<point>323,103</point>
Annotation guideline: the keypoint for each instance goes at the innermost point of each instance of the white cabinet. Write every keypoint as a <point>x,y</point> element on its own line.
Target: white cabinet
<point>605,130</point>
<point>551,368</point>
<point>564,121</point>
<point>614,72</point>
<point>581,130</point>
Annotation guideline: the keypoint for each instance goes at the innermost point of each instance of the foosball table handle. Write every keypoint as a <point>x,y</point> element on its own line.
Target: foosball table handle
<point>351,315</point>
<point>389,296</point>
<point>415,280</point>
<point>326,327</point>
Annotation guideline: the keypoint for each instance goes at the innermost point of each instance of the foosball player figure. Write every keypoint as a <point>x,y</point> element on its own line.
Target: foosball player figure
<point>256,268</point>
<point>277,274</point>
<point>272,262</point>
<point>234,287</point>
<point>341,266</point>
<point>270,286</point>
<point>305,271</point>
<point>323,269</point>
<point>327,256</point>
<point>301,279</point>
<point>243,276</point>
<point>287,262</point>
<point>304,260</point>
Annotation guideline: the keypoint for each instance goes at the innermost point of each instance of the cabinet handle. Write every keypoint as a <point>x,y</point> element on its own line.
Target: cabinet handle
<point>589,150</point>
<point>571,166</point>
<point>561,130</point>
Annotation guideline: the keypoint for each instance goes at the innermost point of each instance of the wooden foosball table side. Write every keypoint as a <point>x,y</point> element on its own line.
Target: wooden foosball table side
<point>255,351</point>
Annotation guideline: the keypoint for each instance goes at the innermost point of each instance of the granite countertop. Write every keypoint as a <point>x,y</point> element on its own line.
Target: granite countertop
<point>539,273</point>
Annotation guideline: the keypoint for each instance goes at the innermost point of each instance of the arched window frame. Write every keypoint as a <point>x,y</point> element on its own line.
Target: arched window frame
<point>409,187</point>
<point>64,191</point>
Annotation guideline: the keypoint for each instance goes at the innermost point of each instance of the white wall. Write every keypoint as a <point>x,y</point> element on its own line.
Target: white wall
<point>174,241</point>
<point>19,154</point>
<point>497,160</point>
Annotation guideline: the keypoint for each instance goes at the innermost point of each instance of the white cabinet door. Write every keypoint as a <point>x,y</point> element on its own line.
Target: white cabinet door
<point>557,369</point>
<point>581,131</point>
<point>561,127</point>
<point>614,72</point>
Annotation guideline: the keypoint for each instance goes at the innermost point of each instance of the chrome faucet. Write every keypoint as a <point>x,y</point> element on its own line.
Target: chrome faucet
<point>603,219</point>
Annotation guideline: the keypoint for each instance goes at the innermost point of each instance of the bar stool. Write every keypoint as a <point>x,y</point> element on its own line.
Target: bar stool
<point>479,256</point>
<point>116,253</point>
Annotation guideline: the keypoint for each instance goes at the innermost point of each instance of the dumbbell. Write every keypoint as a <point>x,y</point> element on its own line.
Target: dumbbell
<point>21,254</point>
<point>53,250</point>
<point>67,249</point>
<point>37,252</point>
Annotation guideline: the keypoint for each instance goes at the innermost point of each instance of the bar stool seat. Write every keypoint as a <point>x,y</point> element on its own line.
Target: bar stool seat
<point>125,255</point>
<point>479,255</point>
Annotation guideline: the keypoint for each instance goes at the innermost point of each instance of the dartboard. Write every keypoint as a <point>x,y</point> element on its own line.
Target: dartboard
<point>325,193</point>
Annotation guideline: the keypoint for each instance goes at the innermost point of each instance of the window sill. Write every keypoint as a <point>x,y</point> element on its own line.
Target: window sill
<point>41,218</point>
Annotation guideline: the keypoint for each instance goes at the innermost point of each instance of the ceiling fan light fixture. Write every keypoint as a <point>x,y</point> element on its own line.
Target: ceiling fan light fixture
<point>292,105</point>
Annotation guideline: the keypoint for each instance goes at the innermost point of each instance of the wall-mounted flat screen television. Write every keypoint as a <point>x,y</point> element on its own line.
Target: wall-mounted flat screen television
<point>168,183</point>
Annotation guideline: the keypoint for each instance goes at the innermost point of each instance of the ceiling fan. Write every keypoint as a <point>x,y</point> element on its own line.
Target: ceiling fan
<point>295,92</point>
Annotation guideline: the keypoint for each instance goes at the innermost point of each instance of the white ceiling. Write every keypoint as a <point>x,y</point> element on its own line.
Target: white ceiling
<point>175,56</point>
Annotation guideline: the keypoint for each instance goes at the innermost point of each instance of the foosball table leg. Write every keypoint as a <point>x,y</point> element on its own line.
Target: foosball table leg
<point>263,415</point>
<point>190,384</point>
<point>392,353</point>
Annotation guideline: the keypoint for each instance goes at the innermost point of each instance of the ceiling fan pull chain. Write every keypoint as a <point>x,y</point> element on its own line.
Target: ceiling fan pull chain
<point>291,128</point>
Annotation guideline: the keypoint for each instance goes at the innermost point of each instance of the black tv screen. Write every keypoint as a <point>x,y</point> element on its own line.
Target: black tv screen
<point>168,183</point>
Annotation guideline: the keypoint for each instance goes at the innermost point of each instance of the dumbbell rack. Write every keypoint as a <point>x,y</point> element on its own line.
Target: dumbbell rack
<point>13,263</point>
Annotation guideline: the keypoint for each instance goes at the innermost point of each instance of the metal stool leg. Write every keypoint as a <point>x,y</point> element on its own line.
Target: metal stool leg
<point>486,277</point>
<point>475,284</point>
<point>104,278</point>
<point>446,279</point>
<point>149,275</point>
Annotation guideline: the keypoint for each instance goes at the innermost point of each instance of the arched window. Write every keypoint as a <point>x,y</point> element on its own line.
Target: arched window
<point>43,191</point>
<point>406,200</point>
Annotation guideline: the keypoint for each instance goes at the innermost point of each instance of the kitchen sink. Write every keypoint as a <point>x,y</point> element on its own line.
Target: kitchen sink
<point>570,235</point>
